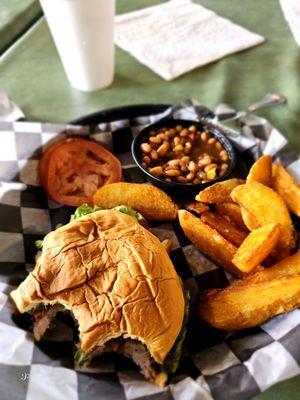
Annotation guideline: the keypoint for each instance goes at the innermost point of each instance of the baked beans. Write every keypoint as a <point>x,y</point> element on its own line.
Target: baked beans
<point>184,155</point>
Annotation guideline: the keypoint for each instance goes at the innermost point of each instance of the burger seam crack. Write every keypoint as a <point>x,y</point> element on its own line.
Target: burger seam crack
<point>41,294</point>
<point>88,278</point>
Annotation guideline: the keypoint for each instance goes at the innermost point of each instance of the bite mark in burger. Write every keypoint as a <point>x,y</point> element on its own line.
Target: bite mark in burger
<point>118,282</point>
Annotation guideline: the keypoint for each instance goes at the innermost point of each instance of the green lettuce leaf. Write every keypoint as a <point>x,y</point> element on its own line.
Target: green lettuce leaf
<point>80,357</point>
<point>84,209</point>
<point>40,307</point>
<point>129,211</point>
<point>171,362</point>
<point>58,225</point>
<point>39,244</point>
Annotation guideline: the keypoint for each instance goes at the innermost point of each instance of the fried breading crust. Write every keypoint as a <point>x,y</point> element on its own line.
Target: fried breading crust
<point>284,184</point>
<point>232,212</point>
<point>256,247</point>
<point>196,207</point>
<point>249,219</point>
<point>219,192</point>
<point>240,307</point>
<point>209,241</point>
<point>224,227</point>
<point>261,171</point>
<point>267,207</point>
<point>150,201</point>
<point>255,299</point>
<point>288,266</point>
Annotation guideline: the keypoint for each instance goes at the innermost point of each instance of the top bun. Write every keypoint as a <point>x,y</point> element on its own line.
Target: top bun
<point>115,277</point>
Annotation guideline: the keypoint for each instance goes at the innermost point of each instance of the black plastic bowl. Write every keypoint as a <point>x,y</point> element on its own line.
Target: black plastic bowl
<point>175,188</point>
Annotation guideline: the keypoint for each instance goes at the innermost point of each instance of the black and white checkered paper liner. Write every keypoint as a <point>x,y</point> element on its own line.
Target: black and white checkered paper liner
<point>236,366</point>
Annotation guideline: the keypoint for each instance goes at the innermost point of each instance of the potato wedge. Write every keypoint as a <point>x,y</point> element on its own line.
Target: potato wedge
<point>288,266</point>
<point>268,208</point>
<point>284,184</point>
<point>261,171</point>
<point>209,241</point>
<point>196,207</point>
<point>256,247</point>
<point>219,192</point>
<point>224,227</point>
<point>150,201</point>
<point>233,213</point>
<point>249,219</point>
<point>244,306</point>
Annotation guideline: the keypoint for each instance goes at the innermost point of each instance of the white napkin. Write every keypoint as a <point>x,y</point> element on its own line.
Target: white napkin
<point>291,11</point>
<point>178,36</point>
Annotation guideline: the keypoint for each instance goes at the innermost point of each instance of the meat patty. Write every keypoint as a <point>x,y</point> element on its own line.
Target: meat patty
<point>43,319</point>
<point>129,348</point>
<point>140,355</point>
<point>132,349</point>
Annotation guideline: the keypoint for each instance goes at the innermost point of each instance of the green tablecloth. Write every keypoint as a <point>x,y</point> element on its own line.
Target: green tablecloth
<point>33,76</point>
<point>15,17</point>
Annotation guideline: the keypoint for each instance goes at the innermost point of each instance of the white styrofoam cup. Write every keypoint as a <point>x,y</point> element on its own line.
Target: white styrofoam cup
<point>83,32</point>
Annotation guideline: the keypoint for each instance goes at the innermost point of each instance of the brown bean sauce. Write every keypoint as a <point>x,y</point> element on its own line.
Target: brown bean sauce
<point>184,155</point>
<point>200,147</point>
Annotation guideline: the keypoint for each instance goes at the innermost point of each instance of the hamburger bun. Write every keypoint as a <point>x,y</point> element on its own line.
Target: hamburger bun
<point>114,276</point>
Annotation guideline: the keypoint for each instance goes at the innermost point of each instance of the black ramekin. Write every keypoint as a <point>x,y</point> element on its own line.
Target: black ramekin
<point>176,188</point>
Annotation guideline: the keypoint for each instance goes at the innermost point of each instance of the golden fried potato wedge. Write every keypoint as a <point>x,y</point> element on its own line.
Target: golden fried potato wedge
<point>196,207</point>
<point>256,247</point>
<point>224,227</point>
<point>261,171</point>
<point>232,212</point>
<point>288,266</point>
<point>244,306</point>
<point>284,184</point>
<point>249,219</point>
<point>208,241</point>
<point>150,201</point>
<point>267,207</point>
<point>219,192</point>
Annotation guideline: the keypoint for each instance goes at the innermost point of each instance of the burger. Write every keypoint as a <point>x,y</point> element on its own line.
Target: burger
<point>118,283</point>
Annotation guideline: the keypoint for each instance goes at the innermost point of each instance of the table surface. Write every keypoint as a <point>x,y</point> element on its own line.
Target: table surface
<point>31,73</point>
<point>15,18</point>
<point>33,76</point>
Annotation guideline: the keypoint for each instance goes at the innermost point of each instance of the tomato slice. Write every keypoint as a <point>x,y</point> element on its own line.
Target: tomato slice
<point>43,165</point>
<point>76,169</point>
